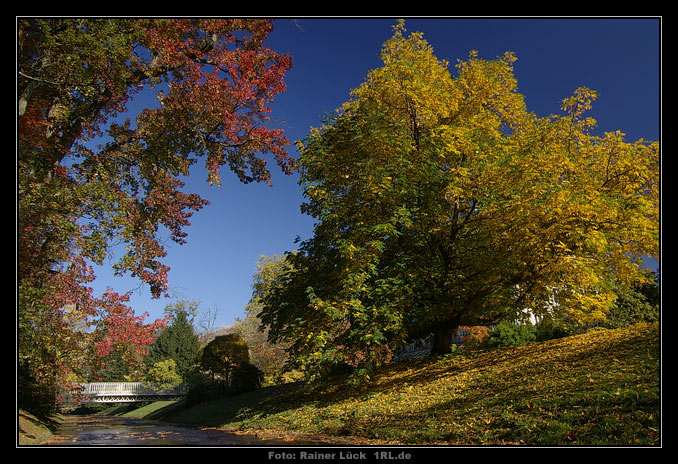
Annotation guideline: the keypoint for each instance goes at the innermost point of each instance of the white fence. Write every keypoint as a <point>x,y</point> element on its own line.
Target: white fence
<point>125,392</point>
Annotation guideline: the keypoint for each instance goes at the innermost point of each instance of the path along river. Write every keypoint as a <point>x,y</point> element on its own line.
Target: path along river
<point>122,431</point>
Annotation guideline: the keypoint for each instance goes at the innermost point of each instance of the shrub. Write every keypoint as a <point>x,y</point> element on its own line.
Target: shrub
<point>201,387</point>
<point>222,354</point>
<point>511,334</point>
<point>246,377</point>
<point>632,307</point>
<point>548,330</point>
<point>475,336</point>
<point>242,378</point>
<point>203,391</point>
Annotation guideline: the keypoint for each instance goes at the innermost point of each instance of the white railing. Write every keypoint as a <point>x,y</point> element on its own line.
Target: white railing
<point>129,388</point>
<point>121,392</point>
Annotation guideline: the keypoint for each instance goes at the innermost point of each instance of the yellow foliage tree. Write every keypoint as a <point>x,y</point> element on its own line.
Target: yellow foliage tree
<point>442,201</point>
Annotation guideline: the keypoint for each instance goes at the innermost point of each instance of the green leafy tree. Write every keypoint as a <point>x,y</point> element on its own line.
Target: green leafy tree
<point>178,341</point>
<point>222,355</point>
<point>640,304</point>
<point>163,374</point>
<point>442,201</point>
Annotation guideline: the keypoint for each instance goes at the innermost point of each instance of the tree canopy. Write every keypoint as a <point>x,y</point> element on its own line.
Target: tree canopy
<point>442,201</point>
<point>224,353</point>
<point>89,179</point>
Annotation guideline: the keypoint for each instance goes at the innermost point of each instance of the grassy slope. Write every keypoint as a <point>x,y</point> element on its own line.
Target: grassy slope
<point>599,388</point>
<point>32,430</point>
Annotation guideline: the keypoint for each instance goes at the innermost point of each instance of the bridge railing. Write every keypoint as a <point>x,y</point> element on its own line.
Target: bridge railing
<point>120,392</point>
<point>126,389</point>
<point>130,388</point>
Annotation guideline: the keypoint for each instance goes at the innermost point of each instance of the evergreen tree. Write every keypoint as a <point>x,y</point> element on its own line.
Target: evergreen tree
<point>115,369</point>
<point>178,341</point>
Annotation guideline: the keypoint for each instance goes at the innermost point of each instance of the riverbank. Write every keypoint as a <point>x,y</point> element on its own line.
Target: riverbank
<point>103,430</point>
<point>601,388</point>
<point>127,425</point>
<point>171,411</point>
<point>32,430</point>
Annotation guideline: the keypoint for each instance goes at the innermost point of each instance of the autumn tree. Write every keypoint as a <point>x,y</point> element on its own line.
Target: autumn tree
<point>442,201</point>
<point>88,178</point>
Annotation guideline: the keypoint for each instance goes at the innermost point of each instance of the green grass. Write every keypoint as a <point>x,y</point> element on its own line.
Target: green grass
<point>147,411</point>
<point>33,430</point>
<point>599,388</point>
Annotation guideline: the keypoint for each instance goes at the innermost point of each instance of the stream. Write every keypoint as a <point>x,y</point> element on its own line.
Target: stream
<point>88,430</point>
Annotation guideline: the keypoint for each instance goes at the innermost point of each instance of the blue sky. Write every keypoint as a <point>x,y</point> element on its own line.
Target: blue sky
<point>619,58</point>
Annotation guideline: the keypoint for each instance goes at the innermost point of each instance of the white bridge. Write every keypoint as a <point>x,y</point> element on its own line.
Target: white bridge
<point>125,392</point>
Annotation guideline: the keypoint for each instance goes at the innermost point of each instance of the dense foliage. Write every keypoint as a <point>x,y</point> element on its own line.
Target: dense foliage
<point>223,354</point>
<point>442,201</point>
<point>510,334</point>
<point>89,179</point>
<point>163,374</point>
<point>639,304</point>
<point>223,368</point>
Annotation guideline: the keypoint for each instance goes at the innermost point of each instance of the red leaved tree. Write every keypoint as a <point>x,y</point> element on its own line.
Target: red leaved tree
<point>214,79</point>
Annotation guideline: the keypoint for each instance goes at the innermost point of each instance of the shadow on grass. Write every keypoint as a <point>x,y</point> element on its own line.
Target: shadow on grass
<point>47,422</point>
<point>33,430</point>
<point>561,391</point>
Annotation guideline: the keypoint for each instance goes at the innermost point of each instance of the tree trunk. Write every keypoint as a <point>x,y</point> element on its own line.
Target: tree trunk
<point>443,334</point>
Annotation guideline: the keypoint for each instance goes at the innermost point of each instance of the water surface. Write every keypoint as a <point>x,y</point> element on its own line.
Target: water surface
<point>124,431</point>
